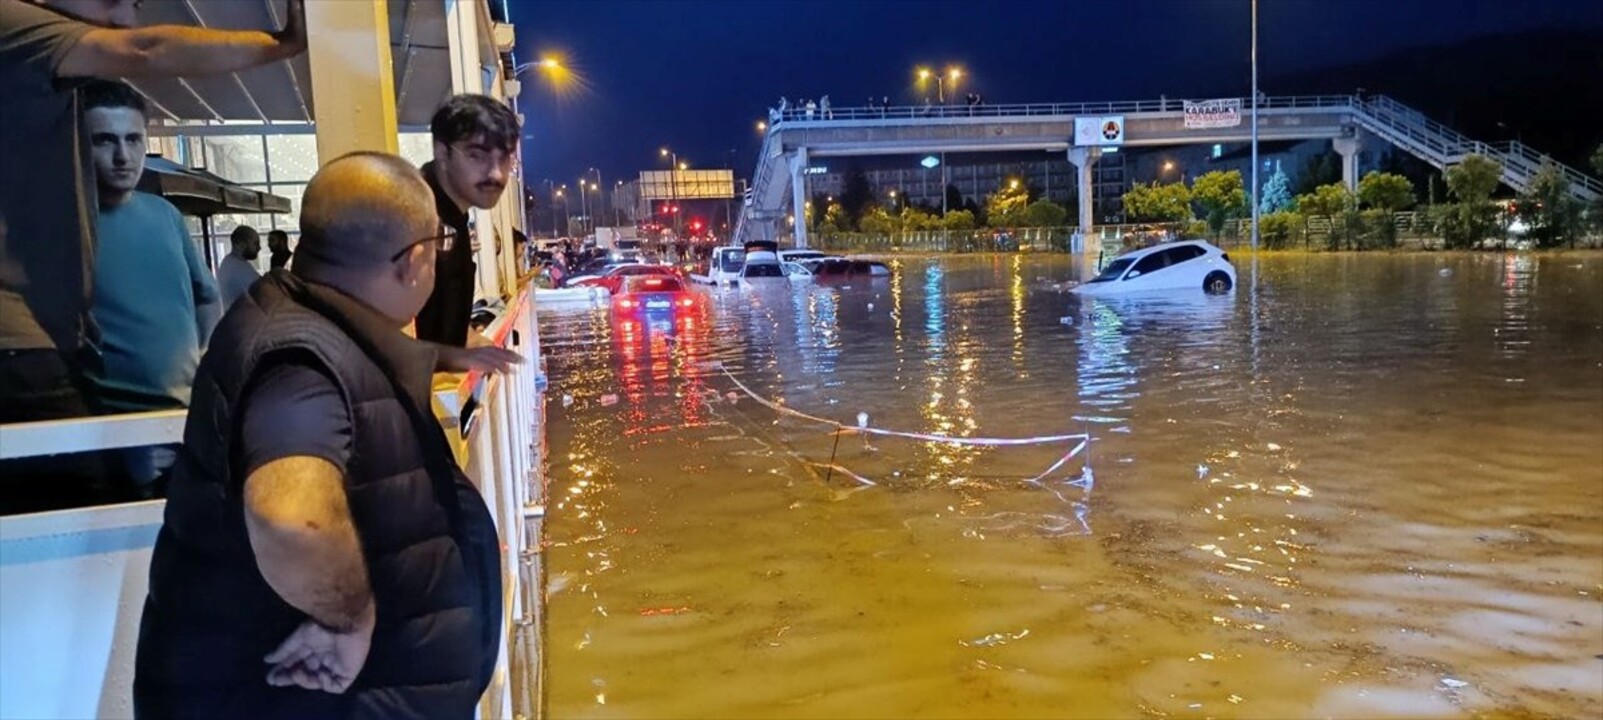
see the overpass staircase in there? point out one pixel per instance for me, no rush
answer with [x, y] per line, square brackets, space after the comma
[1443, 147]
[1398, 124]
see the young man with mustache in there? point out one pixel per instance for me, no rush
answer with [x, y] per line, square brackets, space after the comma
[475, 143]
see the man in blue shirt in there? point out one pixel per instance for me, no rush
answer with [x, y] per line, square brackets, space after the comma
[47, 205]
[154, 299]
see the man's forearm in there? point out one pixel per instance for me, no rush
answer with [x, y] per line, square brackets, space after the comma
[305, 543]
[183, 50]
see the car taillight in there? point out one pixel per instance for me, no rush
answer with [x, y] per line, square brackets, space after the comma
[626, 302]
[686, 302]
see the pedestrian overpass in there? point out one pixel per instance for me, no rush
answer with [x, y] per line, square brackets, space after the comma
[796, 136]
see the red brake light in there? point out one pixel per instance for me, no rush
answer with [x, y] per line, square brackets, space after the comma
[626, 302]
[686, 302]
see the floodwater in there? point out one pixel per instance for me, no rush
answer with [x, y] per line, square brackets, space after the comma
[1359, 486]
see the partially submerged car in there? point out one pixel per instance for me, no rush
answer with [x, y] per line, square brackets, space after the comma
[1187, 265]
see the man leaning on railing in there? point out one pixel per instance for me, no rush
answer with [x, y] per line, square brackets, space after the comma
[322, 555]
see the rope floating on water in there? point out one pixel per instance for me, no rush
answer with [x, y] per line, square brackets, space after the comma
[1081, 440]
[927, 437]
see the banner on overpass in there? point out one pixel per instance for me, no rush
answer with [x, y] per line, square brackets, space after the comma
[1101, 130]
[1213, 113]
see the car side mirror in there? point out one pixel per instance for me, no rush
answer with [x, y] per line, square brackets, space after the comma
[1133, 275]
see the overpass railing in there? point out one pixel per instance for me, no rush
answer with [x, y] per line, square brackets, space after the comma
[73, 582]
[922, 112]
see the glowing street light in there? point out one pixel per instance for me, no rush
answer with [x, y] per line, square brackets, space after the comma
[673, 182]
[762, 126]
[550, 64]
[950, 77]
[1013, 184]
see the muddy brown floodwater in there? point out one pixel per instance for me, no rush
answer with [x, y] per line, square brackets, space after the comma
[1358, 486]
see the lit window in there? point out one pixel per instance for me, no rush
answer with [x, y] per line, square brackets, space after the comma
[1218, 150]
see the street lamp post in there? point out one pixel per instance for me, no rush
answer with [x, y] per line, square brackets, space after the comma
[673, 185]
[601, 204]
[551, 194]
[617, 219]
[952, 73]
[584, 206]
[1255, 126]
[559, 194]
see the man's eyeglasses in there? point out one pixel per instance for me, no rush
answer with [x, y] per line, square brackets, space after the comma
[446, 240]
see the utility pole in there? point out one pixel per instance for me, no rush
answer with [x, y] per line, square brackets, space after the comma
[1255, 126]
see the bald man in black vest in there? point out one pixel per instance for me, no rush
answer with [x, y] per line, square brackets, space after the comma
[322, 554]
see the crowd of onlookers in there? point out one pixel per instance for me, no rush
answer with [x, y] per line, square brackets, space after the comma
[322, 554]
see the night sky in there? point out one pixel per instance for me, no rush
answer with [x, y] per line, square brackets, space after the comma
[696, 76]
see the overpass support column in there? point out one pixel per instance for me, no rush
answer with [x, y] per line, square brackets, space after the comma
[1085, 158]
[798, 194]
[1347, 148]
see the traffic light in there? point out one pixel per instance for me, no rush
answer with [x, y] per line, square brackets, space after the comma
[695, 225]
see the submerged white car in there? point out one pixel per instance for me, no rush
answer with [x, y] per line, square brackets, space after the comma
[1187, 265]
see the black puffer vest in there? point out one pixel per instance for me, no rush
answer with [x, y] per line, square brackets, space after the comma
[431, 548]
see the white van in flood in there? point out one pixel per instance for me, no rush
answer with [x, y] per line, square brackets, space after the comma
[723, 268]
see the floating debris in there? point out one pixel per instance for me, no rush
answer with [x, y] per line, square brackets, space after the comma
[1454, 684]
[609, 399]
[995, 639]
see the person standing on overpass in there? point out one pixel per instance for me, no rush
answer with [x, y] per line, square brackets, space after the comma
[48, 205]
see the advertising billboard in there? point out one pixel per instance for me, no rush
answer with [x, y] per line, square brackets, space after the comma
[687, 184]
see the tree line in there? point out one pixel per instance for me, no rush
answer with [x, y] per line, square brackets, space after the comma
[1367, 219]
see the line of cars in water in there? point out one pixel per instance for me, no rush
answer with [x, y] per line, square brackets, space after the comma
[635, 287]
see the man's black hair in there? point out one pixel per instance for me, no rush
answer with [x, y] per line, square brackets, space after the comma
[469, 117]
[112, 94]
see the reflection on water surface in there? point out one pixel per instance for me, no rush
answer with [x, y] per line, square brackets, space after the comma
[1359, 486]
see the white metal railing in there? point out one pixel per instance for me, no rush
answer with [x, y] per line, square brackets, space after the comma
[73, 582]
[922, 112]
[1443, 146]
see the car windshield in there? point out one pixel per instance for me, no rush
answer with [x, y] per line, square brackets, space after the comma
[1113, 271]
[763, 270]
[732, 261]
